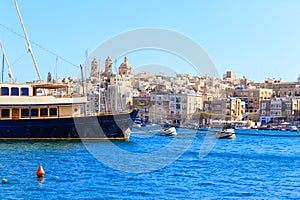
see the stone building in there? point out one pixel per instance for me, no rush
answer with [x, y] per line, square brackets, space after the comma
[252, 98]
[226, 109]
[142, 102]
[235, 109]
[281, 88]
[229, 76]
[276, 109]
[159, 107]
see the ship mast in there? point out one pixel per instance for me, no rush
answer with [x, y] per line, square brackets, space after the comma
[27, 41]
[7, 63]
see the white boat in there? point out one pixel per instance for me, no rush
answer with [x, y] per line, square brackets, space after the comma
[226, 133]
[293, 128]
[135, 125]
[170, 131]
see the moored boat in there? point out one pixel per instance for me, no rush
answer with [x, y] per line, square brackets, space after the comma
[293, 128]
[26, 115]
[170, 131]
[227, 132]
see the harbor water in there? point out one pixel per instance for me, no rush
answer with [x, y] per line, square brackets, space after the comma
[257, 166]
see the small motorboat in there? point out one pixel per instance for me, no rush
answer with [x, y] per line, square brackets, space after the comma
[135, 125]
[170, 131]
[227, 132]
[293, 128]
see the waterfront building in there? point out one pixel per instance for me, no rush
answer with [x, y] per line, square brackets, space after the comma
[159, 106]
[142, 102]
[235, 109]
[216, 109]
[252, 97]
[276, 109]
[225, 109]
[184, 105]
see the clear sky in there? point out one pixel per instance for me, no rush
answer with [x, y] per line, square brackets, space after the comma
[258, 39]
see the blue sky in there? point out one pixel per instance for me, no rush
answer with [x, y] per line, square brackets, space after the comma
[258, 39]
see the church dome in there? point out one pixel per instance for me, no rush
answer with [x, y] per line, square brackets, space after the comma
[125, 68]
[125, 64]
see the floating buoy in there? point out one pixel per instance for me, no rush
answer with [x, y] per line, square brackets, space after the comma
[4, 180]
[40, 172]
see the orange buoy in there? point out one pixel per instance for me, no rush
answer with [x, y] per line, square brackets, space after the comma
[40, 172]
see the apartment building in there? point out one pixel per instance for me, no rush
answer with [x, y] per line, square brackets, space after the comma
[252, 98]
[142, 102]
[276, 109]
[226, 109]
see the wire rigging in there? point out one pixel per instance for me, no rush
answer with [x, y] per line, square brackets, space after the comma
[40, 47]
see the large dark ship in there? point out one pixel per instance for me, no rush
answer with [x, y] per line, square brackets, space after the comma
[26, 114]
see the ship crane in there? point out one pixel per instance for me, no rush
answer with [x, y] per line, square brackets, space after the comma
[7, 63]
[28, 42]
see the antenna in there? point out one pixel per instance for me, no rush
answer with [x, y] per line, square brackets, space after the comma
[27, 41]
[56, 68]
[7, 63]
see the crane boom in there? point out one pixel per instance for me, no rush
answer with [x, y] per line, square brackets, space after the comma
[27, 41]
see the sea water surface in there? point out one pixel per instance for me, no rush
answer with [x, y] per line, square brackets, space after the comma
[253, 166]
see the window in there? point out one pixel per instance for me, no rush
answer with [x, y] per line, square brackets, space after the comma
[4, 91]
[5, 113]
[177, 106]
[34, 112]
[24, 112]
[178, 99]
[53, 112]
[14, 91]
[44, 112]
[24, 91]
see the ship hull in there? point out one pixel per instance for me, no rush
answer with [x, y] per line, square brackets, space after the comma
[95, 127]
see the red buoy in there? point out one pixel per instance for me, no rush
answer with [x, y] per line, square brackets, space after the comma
[40, 172]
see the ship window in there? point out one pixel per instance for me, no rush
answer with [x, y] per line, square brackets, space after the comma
[5, 113]
[4, 91]
[24, 91]
[15, 91]
[24, 112]
[44, 112]
[53, 112]
[34, 112]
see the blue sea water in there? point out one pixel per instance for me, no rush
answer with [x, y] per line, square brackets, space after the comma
[249, 167]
